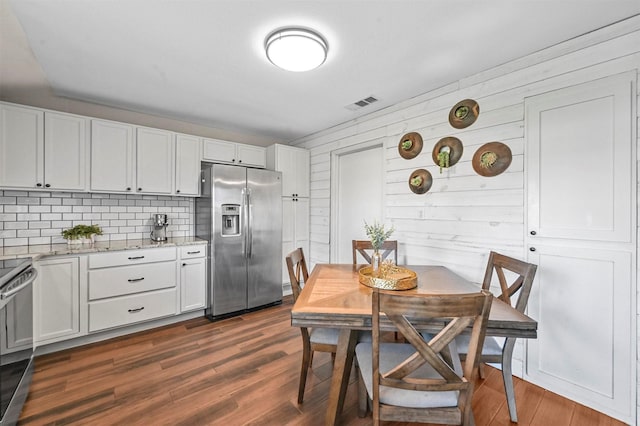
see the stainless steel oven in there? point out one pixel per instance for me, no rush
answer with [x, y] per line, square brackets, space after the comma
[16, 329]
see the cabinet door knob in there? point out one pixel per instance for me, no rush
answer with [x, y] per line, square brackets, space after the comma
[533, 232]
[532, 249]
[47, 185]
[38, 185]
[128, 188]
[233, 160]
[184, 264]
[139, 189]
[239, 161]
[177, 191]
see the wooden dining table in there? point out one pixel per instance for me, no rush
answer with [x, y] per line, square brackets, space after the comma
[333, 297]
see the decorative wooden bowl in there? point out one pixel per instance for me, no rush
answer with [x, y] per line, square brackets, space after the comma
[455, 150]
[491, 159]
[420, 181]
[397, 278]
[410, 145]
[464, 113]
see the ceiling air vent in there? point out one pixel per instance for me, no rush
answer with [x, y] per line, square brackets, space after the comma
[361, 103]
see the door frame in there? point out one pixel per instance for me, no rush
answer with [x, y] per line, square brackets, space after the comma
[335, 184]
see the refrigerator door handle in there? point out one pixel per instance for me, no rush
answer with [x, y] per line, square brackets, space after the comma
[249, 225]
[243, 221]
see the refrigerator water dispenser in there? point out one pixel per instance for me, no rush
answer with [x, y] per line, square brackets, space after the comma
[230, 219]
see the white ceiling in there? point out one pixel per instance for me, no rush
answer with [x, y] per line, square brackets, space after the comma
[202, 61]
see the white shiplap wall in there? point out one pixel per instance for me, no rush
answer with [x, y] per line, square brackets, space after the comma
[465, 215]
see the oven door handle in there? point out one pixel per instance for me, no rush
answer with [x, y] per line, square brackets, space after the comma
[34, 274]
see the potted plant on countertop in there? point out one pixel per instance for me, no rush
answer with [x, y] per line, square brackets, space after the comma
[378, 235]
[81, 234]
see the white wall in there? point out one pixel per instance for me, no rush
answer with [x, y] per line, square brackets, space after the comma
[465, 215]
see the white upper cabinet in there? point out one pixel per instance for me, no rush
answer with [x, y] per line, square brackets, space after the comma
[21, 147]
[294, 164]
[65, 148]
[42, 150]
[187, 165]
[220, 151]
[131, 159]
[155, 161]
[112, 157]
[249, 155]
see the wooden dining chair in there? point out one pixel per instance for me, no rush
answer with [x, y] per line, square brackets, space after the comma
[422, 381]
[521, 275]
[364, 247]
[316, 339]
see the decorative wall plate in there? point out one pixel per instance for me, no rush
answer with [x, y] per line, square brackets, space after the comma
[420, 181]
[410, 145]
[491, 159]
[455, 150]
[464, 113]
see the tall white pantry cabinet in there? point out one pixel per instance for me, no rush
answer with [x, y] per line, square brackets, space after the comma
[294, 164]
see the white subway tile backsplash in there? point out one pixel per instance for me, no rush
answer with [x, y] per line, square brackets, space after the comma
[31, 218]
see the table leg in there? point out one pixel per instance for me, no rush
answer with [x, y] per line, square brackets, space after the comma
[341, 371]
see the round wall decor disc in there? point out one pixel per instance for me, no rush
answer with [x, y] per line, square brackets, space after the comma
[455, 150]
[491, 159]
[464, 113]
[410, 145]
[420, 181]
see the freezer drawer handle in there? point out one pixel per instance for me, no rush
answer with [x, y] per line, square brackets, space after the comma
[133, 311]
[193, 252]
[136, 257]
[134, 280]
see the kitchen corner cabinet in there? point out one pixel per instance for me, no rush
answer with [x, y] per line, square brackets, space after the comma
[187, 165]
[193, 277]
[295, 228]
[219, 151]
[42, 149]
[293, 162]
[56, 300]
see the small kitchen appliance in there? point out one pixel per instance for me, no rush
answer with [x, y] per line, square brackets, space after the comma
[159, 231]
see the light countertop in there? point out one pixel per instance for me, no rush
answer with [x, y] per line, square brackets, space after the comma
[39, 251]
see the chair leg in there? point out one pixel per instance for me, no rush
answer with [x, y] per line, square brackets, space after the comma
[481, 370]
[307, 355]
[363, 397]
[507, 378]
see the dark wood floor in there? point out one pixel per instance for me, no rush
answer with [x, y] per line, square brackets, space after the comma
[240, 371]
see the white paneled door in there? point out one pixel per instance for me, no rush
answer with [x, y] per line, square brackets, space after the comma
[359, 197]
[581, 206]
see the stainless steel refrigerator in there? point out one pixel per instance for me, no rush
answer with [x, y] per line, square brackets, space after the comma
[240, 213]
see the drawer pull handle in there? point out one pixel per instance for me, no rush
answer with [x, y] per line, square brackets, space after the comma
[136, 257]
[133, 280]
[193, 252]
[133, 311]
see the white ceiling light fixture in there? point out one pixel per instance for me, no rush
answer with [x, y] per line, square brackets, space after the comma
[296, 49]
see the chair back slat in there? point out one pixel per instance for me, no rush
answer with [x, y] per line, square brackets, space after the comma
[365, 248]
[298, 272]
[524, 275]
[457, 313]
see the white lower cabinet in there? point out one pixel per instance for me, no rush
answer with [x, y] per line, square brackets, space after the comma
[131, 286]
[56, 300]
[193, 276]
[120, 311]
[90, 293]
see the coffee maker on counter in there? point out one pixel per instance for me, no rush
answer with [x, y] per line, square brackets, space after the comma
[159, 231]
